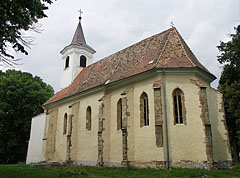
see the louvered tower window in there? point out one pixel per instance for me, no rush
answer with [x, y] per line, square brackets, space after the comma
[83, 61]
[67, 62]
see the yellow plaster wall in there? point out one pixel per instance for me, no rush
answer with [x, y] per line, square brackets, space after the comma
[141, 141]
[145, 143]
[186, 142]
[115, 135]
[50, 136]
[61, 139]
[74, 138]
[131, 129]
[87, 145]
[106, 125]
[84, 143]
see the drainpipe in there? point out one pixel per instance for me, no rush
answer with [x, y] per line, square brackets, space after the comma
[69, 135]
[166, 120]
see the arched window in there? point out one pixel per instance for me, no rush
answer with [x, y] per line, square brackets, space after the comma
[144, 110]
[83, 61]
[65, 124]
[119, 114]
[178, 107]
[88, 118]
[67, 62]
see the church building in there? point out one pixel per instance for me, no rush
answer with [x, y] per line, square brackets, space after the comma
[148, 105]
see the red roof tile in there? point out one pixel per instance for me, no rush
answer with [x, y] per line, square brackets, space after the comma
[166, 49]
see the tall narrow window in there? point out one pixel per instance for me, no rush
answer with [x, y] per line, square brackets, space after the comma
[83, 61]
[88, 118]
[178, 107]
[119, 114]
[67, 62]
[144, 110]
[65, 124]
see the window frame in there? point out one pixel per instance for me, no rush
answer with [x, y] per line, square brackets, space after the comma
[144, 110]
[89, 118]
[82, 57]
[65, 124]
[119, 114]
[179, 110]
[67, 61]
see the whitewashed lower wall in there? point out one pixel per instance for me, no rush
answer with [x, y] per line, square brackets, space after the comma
[35, 153]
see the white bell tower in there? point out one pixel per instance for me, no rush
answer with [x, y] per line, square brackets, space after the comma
[75, 57]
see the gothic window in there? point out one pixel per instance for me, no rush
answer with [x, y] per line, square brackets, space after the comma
[65, 124]
[67, 62]
[83, 61]
[144, 110]
[119, 114]
[178, 107]
[88, 118]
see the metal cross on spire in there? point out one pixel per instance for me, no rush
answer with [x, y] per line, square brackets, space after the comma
[81, 12]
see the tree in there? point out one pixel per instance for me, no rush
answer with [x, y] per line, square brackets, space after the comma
[21, 98]
[17, 16]
[229, 85]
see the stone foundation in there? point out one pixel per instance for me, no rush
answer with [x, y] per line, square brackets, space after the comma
[152, 164]
[224, 165]
[191, 164]
[143, 165]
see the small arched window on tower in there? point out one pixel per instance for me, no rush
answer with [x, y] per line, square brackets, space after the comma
[144, 110]
[88, 118]
[119, 114]
[67, 62]
[179, 107]
[83, 61]
[65, 124]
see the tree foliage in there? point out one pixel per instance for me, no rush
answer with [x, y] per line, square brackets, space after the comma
[229, 85]
[17, 16]
[21, 98]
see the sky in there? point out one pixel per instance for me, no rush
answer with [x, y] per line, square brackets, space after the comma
[110, 26]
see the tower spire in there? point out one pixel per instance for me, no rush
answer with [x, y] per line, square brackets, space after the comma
[78, 37]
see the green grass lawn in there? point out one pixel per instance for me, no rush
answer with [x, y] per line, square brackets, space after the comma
[25, 171]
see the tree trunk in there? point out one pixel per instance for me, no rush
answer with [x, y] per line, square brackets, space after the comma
[235, 151]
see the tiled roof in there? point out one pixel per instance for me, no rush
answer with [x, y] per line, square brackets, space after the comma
[166, 49]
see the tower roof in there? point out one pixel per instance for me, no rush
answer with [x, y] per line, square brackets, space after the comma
[78, 37]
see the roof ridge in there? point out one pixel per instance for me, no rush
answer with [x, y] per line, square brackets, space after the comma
[164, 47]
[186, 51]
[193, 58]
[178, 36]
